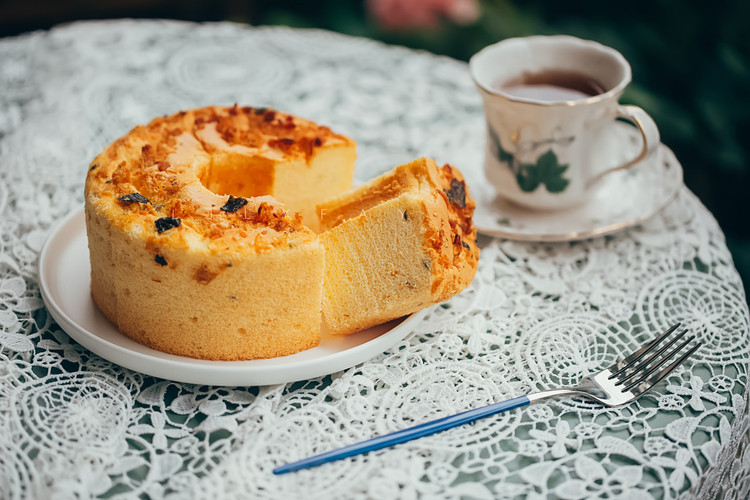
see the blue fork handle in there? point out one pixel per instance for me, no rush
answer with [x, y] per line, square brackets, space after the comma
[404, 435]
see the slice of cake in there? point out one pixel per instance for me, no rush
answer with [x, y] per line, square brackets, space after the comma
[395, 245]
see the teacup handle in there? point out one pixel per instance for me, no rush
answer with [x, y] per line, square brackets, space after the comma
[649, 134]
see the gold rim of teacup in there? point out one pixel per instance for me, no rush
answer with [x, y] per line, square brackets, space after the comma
[615, 91]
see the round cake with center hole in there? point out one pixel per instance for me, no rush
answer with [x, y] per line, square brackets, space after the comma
[201, 231]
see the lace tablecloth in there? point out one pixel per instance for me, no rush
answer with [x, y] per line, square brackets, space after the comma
[73, 425]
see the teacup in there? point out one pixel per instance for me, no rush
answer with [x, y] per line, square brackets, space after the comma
[549, 102]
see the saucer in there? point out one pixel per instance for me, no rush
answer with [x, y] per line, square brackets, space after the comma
[65, 281]
[622, 199]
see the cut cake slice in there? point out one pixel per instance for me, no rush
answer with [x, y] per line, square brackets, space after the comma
[399, 243]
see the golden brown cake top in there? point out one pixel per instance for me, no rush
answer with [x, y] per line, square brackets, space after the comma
[266, 130]
[153, 181]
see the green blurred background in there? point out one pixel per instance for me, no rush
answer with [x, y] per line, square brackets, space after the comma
[690, 59]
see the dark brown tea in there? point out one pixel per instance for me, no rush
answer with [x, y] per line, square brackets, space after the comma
[552, 85]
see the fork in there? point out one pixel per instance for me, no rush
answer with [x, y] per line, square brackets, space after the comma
[621, 383]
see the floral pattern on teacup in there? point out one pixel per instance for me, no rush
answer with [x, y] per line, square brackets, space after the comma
[547, 170]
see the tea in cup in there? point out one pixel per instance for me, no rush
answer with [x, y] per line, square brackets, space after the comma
[549, 102]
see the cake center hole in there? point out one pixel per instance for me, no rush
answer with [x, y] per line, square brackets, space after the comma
[238, 175]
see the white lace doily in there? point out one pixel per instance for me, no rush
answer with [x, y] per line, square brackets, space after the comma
[536, 316]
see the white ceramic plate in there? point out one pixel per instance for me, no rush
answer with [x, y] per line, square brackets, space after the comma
[623, 199]
[64, 280]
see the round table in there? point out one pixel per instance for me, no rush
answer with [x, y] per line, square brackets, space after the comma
[537, 315]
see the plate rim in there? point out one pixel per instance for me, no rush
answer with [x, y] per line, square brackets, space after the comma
[202, 372]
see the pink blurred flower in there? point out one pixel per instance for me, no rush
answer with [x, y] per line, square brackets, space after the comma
[405, 14]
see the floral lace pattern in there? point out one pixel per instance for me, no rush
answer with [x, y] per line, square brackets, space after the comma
[536, 316]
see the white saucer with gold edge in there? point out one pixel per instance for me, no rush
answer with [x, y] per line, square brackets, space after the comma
[622, 199]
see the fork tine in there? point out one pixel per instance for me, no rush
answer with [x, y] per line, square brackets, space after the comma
[623, 364]
[644, 374]
[643, 370]
[639, 366]
[659, 376]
